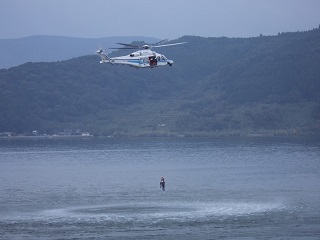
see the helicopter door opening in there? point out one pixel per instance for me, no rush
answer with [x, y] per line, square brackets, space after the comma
[153, 61]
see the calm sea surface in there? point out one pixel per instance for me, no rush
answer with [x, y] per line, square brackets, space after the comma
[222, 188]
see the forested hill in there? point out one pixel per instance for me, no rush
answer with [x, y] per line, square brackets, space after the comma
[216, 86]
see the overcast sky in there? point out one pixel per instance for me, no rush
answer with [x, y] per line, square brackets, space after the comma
[164, 19]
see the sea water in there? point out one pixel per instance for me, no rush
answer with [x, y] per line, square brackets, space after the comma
[109, 188]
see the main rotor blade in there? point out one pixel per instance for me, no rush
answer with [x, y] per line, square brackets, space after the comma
[124, 48]
[166, 45]
[129, 45]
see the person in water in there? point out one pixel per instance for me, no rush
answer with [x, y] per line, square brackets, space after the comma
[162, 183]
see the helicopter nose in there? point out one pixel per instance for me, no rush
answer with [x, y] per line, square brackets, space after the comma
[170, 62]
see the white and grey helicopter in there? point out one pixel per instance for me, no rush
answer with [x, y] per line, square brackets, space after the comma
[144, 58]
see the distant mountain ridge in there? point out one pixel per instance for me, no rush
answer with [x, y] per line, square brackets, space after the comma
[40, 48]
[227, 86]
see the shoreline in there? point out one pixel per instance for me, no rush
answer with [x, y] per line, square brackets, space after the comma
[45, 137]
[155, 135]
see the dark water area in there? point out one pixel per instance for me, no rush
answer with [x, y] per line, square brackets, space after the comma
[108, 188]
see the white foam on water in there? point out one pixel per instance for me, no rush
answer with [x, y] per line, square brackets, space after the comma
[237, 208]
[155, 212]
[151, 212]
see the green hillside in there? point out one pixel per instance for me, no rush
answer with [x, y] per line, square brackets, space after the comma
[217, 86]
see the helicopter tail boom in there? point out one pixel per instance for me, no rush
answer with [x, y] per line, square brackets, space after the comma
[104, 57]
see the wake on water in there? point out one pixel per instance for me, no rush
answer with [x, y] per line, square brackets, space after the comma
[152, 212]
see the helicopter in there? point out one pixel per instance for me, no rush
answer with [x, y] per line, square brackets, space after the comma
[144, 58]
